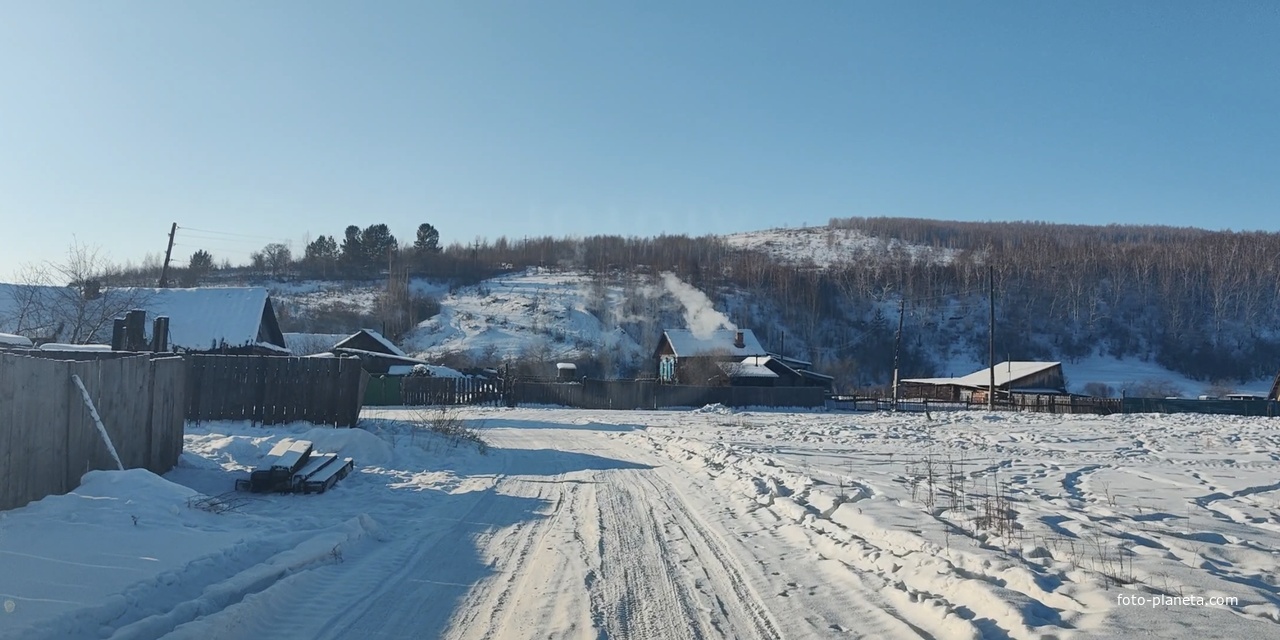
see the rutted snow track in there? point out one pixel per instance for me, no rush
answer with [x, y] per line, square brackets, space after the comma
[572, 533]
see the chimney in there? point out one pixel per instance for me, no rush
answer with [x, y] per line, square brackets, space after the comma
[738, 341]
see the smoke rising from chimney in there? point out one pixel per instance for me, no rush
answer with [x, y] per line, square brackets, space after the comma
[700, 316]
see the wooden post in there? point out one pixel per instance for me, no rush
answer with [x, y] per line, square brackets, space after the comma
[135, 330]
[991, 339]
[118, 339]
[897, 345]
[160, 334]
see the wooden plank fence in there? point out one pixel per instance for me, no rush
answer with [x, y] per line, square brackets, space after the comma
[427, 390]
[648, 394]
[275, 389]
[49, 437]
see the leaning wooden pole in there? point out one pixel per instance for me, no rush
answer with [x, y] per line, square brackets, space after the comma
[102, 429]
[168, 253]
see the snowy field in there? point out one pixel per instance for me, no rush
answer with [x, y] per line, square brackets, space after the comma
[677, 524]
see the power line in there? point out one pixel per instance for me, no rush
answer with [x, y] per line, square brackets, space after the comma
[238, 235]
[191, 236]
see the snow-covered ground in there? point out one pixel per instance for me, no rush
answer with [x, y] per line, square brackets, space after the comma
[677, 524]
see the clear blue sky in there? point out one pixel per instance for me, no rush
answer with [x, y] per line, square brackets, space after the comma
[287, 119]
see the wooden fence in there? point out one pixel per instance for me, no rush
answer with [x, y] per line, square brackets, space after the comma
[49, 438]
[648, 394]
[275, 389]
[1046, 403]
[1265, 408]
[435, 391]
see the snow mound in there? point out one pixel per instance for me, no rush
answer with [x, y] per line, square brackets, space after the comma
[132, 485]
[364, 447]
[717, 409]
[190, 460]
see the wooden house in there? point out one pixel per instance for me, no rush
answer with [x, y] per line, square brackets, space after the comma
[685, 357]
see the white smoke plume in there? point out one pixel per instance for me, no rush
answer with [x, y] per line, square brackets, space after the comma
[699, 314]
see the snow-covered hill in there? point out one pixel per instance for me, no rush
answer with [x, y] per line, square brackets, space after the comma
[534, 313]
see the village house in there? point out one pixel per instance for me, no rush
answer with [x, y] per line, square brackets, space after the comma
[728, 357]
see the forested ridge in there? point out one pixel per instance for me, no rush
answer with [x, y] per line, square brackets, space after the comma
[1204, 303]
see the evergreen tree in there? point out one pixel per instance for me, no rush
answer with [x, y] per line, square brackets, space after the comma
[322, 255]
[428, 241]
[353, 247]
[200, 264]
[323, 249]
[378, 243]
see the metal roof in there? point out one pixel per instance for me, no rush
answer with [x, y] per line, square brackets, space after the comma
[1006, 372]
[684, 343]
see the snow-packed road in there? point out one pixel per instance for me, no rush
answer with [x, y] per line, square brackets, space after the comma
[568, 532]
[677, 524]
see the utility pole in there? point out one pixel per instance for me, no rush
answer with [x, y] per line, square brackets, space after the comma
[168, 252]
[897, 346]
[991, 338]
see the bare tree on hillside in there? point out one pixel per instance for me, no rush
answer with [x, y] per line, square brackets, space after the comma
[74, 300]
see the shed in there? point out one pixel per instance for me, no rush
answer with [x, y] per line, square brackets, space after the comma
[1010, 377]
[566, 371]
[371, 341]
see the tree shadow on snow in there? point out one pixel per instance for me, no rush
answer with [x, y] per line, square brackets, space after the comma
[538, 462]
[545, 424]
[452, 558]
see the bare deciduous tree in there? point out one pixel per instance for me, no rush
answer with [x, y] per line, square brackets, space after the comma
[73, 300]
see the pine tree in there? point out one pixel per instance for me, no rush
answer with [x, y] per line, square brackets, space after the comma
[428, 241]
[378, 243]
[353, 247]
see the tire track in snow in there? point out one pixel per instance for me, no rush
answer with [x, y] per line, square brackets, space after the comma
[904, 562]
[542, 589]
[635, 589]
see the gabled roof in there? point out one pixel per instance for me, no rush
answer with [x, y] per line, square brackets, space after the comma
[720, 342]
[389, 346]
[213, 317]
[1006, 372]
